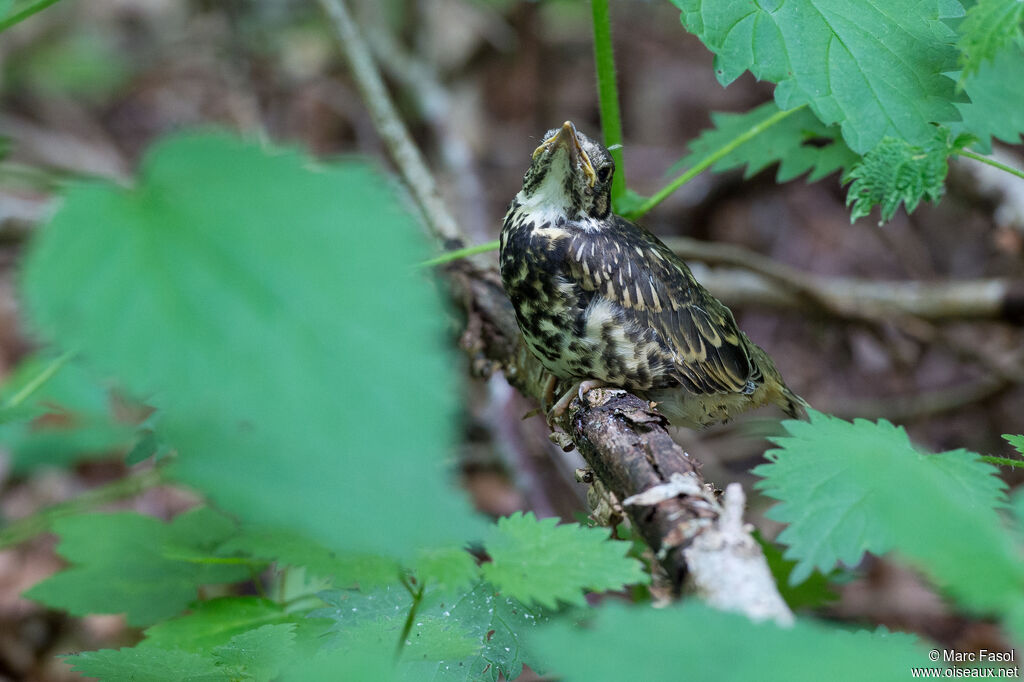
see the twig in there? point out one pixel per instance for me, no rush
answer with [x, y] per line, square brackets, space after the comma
[493, 341]
[608, 92]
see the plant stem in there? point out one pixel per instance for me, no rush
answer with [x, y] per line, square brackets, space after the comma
[449, 256]
[12, 19]
[36, 382]
[711, 159]
[40, 522]
[1004, 461]
[417, 599]
[992, 162]
[608, 92]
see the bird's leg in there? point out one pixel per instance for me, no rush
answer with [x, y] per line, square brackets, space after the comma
[578, 390]
[548, 394]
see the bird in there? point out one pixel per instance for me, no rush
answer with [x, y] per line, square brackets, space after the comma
[602, 302]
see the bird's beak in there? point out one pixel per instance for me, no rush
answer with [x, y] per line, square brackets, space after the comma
[566, 137]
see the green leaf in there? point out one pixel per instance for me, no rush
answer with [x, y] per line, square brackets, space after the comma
[129, 563]
[879, 70]
[1016, 441]
[379, 617]
[811, 592]
[544, 563]
[500, 625]
[695, 642]
[799, 143]
[988, 27]
[148, 665]
[373, 661]
[291, 549]
[258, 654]
[896, 172]
[213, 623]
[452, 568]
[473, 636]
[54, 412]
[271, 308]
[849, 488]
[995, 110]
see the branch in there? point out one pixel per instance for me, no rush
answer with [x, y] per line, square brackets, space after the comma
[606, 437]
[757, 280]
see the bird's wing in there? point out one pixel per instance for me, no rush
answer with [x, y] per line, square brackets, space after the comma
[654, 289]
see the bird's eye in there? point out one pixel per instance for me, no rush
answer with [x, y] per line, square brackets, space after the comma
[603, 173]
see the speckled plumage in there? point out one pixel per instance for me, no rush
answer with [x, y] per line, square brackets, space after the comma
[599, 298]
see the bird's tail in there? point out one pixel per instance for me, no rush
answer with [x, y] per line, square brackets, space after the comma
[792, 404]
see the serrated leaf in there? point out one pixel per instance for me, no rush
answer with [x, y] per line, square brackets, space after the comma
[811, 592]
[154, 563]
[995, 110]
[379, 617]
[66, 416]
[876, 69]
[147, 665]
[370, 662]
[213, 623]
[896, 172]
[849, 488]
[542, 562]
[258, 654]
[799, 143]
[988, 27]
[452, 568]
[695, 642]
[1016, 441]
[292, 549]
[270, 307]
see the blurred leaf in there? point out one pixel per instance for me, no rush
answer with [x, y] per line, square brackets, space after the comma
[696, 642]
[373, 661]
[539, 561]
[213, 623]
[54, 412]
[15, 11]
[258, 654]
[1016, 441]
[989, 27]
[271, 308]
[799, 143]
[453, 569]
[80, 63]
[896, 172]
[848, 488]
[995, 110]
[148, 665]
[811, 592]
[290, 549]
[134, 564]
[877, 70]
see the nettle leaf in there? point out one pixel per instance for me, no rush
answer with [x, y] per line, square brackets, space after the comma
[288, 548]
[67, 416]
[696, 642]
[799, 143]
[879, 70]
[995, 110]
[849, 488]
[810, 592]
[896, 172]
[148, 665]
[452, 568]
[157, 566]
[988, 27]
[473, 636]
[258, 654]
[271, 308]
[213, 623]
[1016, 441]
[542, 562]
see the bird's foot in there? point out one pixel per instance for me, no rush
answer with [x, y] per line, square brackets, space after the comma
[578, 390]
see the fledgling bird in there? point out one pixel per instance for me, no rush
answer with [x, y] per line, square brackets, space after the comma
[603, 302]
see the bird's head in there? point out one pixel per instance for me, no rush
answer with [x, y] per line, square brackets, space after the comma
[570, 173]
